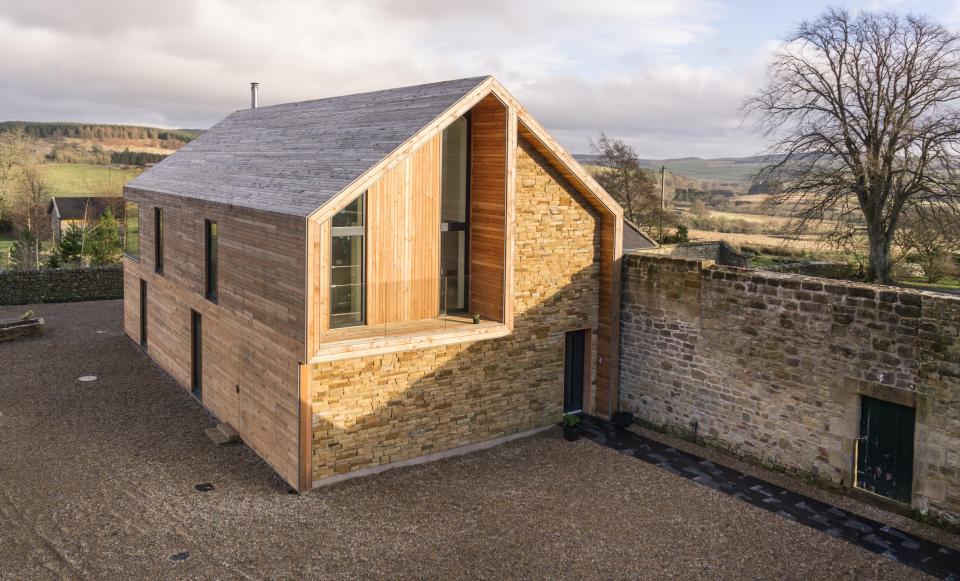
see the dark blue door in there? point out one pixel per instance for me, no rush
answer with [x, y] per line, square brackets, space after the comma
[885, 449]
[574, 370]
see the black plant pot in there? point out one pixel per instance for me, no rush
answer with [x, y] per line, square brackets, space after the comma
[571, 433]
[622, 420]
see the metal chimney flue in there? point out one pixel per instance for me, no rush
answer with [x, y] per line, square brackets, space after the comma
[253, 95]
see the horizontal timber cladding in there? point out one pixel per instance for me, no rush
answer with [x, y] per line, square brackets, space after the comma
[380, 409]
[488, 177]
[253, 337]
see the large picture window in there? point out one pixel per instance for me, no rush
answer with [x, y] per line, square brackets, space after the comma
[455, 216]
[347, 271]
[131, 230]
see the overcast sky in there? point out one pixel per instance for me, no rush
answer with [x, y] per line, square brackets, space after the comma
[668, 76]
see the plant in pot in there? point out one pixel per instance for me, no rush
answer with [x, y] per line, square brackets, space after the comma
[571, 427]
[476, 318]
[622, 420]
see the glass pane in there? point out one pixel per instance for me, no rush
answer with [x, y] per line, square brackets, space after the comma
[131, 238]
[453, 288]
[346, 303]
[454, 172]
[346, 281]
[212, 258]
[158, 238]
[351, 215]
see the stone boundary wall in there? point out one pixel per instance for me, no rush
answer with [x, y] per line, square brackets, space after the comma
[772, 366]
[818, 268]
[61, 285]
[718, 251]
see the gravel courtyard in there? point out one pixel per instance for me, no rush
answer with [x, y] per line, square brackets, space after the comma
[97, 481]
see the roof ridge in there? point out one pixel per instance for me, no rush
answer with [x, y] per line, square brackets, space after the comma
[478, 79]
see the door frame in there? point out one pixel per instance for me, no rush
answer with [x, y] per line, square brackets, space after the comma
[587, 368]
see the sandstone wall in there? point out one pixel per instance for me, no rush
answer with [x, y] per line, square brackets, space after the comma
[718, 251]
[388, 408]
[61, 285]
[773, 366]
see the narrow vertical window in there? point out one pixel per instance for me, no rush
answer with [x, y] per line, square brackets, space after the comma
[158, 240]
[131, 230]
[212, 252]
[196, 355]
[347, 272]
[455, 215]
[143, 313]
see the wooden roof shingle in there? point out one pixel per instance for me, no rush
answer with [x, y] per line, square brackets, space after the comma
[293, 158]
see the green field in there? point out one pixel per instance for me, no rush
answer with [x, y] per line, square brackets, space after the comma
[74, 179]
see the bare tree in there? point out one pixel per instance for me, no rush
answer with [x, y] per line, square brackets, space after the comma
[863, 116]
[630, 184]
[15, 147]
[933, 237]
[22, 181]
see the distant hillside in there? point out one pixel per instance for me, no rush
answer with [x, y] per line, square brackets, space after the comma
[722, 170]
[97, 158]
[103, 144]
[100, 131]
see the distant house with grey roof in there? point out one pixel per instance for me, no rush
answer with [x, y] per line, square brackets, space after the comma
[82, 211]
[359, 282]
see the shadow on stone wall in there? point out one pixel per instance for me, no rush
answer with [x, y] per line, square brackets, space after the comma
[394, 407]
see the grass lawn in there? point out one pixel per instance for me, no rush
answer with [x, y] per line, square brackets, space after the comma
[77, 179]
[950, 284]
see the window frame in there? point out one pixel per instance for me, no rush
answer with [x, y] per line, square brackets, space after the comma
[349, 231]
[211, 275]
[158, 240]
[126, 229]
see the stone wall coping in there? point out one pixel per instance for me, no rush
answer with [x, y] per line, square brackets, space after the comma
[710, 269]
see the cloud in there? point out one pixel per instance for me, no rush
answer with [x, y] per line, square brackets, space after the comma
[578, 66]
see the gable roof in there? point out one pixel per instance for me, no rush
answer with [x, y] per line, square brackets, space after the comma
[293, 158]
[85, 207]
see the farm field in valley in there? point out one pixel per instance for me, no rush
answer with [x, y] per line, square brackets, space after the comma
[810, 243]
[77, 179]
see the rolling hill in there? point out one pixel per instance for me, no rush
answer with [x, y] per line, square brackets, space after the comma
[722, 170]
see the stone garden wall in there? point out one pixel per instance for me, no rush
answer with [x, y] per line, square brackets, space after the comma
[60, 285]
[717, 251]
[773, 365]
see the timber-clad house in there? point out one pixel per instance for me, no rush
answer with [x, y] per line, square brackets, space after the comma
[361, 281]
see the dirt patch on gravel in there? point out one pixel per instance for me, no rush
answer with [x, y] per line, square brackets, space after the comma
[97, 481]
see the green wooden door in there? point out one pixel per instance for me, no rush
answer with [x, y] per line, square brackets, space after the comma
[885, 449]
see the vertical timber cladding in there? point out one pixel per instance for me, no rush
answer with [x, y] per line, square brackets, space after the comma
[253, 336]
[403, 236]
[488, 189]
[380, 409]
